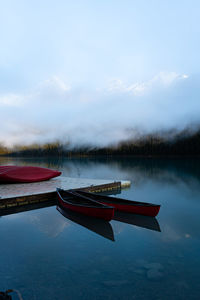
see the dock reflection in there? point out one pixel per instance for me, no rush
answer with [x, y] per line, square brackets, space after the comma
[24, 208]
[98, 226]
[137, 220]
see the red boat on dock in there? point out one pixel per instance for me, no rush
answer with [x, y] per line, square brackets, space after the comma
[84, 205]
[20, 174]
[142, 208]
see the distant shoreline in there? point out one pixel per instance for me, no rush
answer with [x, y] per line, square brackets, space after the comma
[77, 156]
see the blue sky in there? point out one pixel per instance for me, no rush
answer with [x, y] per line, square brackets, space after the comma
[94, 52]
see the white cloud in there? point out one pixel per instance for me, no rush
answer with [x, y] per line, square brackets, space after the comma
[163, 79]
[56, 83]
[11, 100]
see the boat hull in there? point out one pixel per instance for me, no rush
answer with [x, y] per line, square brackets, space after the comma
[101, 212]
[141, 208]
[23, 174]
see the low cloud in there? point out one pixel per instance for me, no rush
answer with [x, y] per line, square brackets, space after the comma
[162, 80]
[56, 111]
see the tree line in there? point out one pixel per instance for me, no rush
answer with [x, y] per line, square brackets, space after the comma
[151, 145]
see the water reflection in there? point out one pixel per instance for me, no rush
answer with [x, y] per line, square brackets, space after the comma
[104, 228]
[137, 220]
[24, 208]
[141, 264]
[139, 170]
[98, 226]
[49, 224]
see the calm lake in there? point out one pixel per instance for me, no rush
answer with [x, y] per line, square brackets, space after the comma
[45, 255]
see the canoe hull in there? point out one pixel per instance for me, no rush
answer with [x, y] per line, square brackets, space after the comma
[103, 212]
[23, 174]
[150, 211]
[141, 208]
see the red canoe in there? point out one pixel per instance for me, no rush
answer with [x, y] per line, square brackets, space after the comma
[84, 205]
[15, 174]
[141, 208]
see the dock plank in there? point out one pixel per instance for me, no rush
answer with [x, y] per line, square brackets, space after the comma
[49, 186]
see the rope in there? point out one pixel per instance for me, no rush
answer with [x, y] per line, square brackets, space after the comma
[18, 294]
[11, 291]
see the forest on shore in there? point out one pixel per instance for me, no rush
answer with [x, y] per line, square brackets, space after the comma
[182, 144]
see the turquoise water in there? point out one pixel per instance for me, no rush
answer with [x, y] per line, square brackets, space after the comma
[45, 255]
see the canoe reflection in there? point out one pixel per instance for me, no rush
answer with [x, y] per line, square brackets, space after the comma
[137, 220]
[98, 226]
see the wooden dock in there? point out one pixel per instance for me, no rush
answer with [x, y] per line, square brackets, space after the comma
[21, 195]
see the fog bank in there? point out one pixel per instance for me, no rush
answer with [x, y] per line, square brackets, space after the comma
[56, 111]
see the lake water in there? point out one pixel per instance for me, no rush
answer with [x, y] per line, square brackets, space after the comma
[45, 255]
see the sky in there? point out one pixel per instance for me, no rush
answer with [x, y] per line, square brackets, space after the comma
[97, 72]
